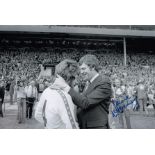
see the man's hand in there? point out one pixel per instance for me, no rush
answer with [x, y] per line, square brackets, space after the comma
[76, 88]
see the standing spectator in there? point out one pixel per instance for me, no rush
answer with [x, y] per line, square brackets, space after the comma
[142, 96]
[31, 96]
[7, 87]
[151, 94]
[21, 101]
[8, 83]
[11, 91]
[2, 93]
[131, 93]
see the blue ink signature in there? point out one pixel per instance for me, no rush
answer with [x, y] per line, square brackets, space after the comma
[121, 103]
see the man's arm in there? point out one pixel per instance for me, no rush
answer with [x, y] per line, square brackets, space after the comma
[99, 94]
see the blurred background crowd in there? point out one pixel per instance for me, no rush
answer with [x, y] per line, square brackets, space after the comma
[24, 65]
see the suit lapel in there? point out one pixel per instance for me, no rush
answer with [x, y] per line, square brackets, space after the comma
[92, 85]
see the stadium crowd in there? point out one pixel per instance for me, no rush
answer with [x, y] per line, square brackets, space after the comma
[24, 65]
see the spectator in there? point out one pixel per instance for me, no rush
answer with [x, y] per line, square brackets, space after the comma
[142, 96]
[31, 97]
[2, 93]
[21, 101]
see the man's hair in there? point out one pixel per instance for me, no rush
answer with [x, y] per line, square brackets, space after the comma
[91, 61]
[67, 69]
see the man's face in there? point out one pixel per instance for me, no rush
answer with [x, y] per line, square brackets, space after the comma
[86, 72]
[117, 83]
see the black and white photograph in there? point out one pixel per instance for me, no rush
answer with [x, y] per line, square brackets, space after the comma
[84, 65]
[77, 77]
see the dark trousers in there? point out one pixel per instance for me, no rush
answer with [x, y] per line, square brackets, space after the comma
[29, 106]
[142, 105]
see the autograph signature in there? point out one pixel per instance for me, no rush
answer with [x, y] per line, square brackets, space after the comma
[121, 103]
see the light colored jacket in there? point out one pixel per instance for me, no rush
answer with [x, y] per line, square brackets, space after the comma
[55, 111]
[30, 92]
[21, 92]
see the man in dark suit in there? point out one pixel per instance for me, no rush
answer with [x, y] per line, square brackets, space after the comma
[94, 101]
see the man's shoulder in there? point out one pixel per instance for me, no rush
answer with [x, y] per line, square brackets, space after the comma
[51, 95]
[56, 92]
[103, 79]
[49, 89]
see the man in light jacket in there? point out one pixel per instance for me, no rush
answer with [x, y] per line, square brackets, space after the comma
[56, 109]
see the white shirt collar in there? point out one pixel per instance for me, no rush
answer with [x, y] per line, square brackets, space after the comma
[94, 77]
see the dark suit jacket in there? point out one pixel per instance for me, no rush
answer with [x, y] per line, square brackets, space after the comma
[94, 103]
